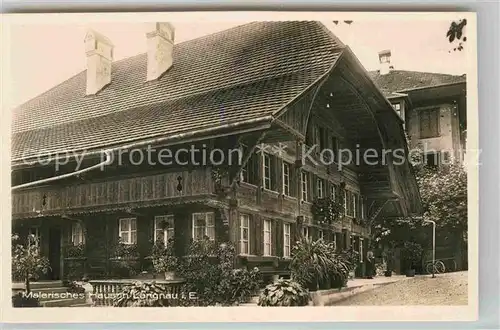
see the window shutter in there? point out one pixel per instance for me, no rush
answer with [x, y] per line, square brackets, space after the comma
[293, 234]
[279, 242]
[435, 122]
[277, 173]
[274, 237]
[258, 236]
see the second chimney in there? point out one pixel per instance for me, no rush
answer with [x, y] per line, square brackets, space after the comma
[99, 51]
[384, 58]
[160, 49]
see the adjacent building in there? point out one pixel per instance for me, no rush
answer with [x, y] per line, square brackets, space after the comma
[433, 107]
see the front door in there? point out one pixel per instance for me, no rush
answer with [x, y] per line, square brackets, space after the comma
[54, 253]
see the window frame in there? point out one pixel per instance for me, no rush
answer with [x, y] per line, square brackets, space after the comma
[77, 233]
[206, 226]
[128, 230]
[266, 179]
[304, 182]
[269, 230]
[286, 179]
[167, 218]
[287, 248]
[241, 240]
[320, 187]
[333, 192]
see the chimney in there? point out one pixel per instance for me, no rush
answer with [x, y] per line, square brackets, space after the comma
[160, 48]
[99, 51]
[384, 58]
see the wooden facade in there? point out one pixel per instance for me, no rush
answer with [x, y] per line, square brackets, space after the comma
[259, 205]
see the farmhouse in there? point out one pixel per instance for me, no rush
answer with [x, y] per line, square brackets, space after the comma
[267, 89]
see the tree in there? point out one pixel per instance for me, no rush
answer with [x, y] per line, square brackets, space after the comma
[26, 260]
[444, 197]
[456, 33]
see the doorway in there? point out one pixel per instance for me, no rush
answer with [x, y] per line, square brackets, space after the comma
[55, 253]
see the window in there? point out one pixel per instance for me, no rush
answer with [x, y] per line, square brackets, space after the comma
[345, 202]
[244, 234]
[304, 182]
[267, 237]
[332, 191]
[164, 228]
[286, 179]
[305, 231]
[431, 159]
[286, 240]
[266, 163]
[203, 226]
[34, 237]
[397, 106]
[76, 233]
[354, 205]
[248, 172]
[128, 230]
[321, 235]
[320, 188]
[429, 123]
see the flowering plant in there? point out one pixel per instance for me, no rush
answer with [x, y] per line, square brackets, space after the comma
[326, 210]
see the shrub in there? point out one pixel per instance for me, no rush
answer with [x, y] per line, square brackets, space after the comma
[326, 210]
[351, 256]
[26, 260]
[142, 294]
[208, 270]
[125, 261]
[74, 287]
[22, 300]
[284, 293]
[163, 257]
[315, 264]
[412, 253]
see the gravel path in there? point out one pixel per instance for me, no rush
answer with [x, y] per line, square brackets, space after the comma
[445, 289]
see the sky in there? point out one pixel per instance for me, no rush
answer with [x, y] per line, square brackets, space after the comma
[44, 55]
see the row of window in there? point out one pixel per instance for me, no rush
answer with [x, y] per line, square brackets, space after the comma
[353, 202]
[203, 227]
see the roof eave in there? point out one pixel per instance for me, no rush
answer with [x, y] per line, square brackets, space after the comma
[245, 126]
[430, 87]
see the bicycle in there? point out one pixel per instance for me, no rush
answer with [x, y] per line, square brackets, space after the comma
[438, 267]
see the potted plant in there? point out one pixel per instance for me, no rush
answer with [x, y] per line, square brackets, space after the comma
[413, 256]
[125, 260]
[352, 257]
[164, 259]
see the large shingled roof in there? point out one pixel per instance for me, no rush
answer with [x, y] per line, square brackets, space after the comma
[399, 81]
[247, 72]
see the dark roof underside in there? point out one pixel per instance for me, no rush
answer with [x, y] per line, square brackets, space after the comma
[400, 80]
[244, 73]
